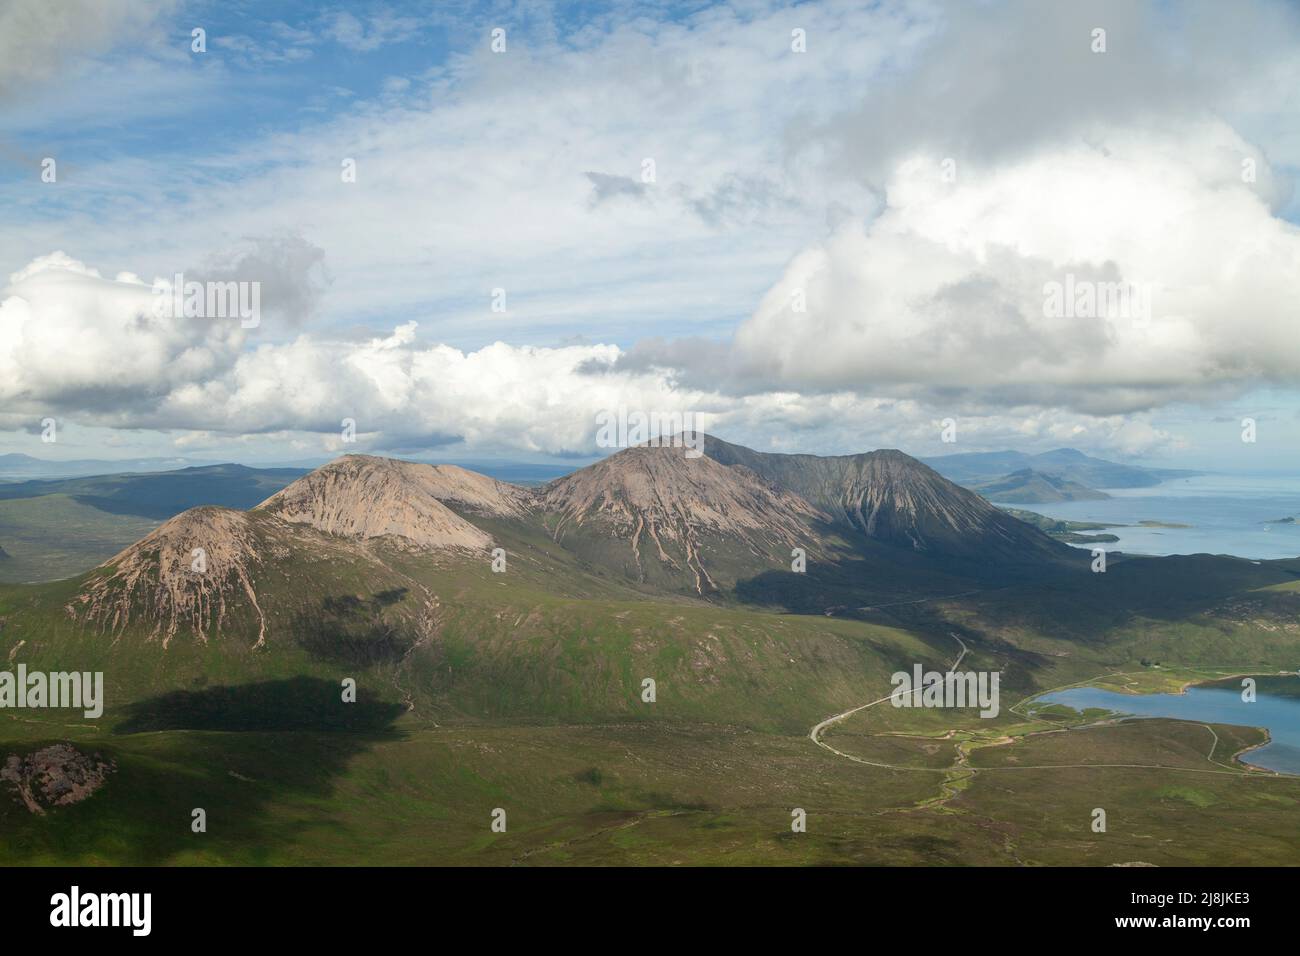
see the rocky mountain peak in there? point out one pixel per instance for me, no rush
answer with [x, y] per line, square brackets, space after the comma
[361, 496]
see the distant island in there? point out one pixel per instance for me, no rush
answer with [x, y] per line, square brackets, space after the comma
[972, 468]
[1072, 532]
[1028, 486]
[1067, 531]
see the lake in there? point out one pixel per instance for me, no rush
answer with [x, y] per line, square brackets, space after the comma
[1276, 708]
[1228, 514]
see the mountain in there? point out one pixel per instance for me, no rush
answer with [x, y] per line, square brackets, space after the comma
[235, 575]
[657, 519]
[226, 671]
[360, 496]
[383, 568]
[971, 468]
[652, 509]
[160, 495]
[648, 516]
[1029, 486]
[19, 466]
[896, 499]
[337, 566]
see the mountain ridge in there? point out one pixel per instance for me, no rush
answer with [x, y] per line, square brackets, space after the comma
[1032, 487]
[893, 497]
[647, 515]
[969, 468]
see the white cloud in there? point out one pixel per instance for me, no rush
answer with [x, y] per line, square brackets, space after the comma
[73, 340]
[379, 29]
[38, 37]
[943, 294]
[75, 344]
[524, 171]
[475, 177]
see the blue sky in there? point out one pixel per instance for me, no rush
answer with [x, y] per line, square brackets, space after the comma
[821, 227]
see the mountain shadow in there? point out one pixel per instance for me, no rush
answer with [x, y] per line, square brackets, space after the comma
[259, 788]
[295, 704]
[353, 631]
[855, 572]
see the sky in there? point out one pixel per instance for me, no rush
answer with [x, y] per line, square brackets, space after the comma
[475, 228]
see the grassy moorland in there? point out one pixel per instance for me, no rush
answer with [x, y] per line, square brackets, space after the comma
[524, 693]
[56, 536]
[52, 529]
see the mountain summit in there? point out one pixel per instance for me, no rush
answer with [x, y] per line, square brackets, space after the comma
[195, 570]
[693, 514]
[894, 498]
[361, 496]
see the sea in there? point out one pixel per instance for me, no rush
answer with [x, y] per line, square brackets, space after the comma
[1223, 514]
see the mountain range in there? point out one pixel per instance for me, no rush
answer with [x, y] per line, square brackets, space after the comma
[651, 517]
[18, 467]
[161, 494]
[646, 642]
[410, 567]
[971, 468]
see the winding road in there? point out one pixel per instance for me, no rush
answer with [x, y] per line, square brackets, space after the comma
[817, 731]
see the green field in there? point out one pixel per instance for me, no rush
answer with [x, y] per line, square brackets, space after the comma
[524, 693]
[56, 536]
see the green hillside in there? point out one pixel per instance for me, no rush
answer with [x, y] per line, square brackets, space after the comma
[526, 689]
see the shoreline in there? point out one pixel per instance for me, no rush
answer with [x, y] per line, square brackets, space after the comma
[1238, 757]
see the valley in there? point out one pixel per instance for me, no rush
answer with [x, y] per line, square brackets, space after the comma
[523, 688]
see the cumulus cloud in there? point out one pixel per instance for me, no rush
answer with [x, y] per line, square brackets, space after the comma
[839, 248]
[948, 291]
[75, 343]
[72, 340]
[990, 82]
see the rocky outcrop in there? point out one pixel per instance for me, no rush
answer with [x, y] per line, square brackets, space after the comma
[55, 776]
